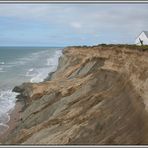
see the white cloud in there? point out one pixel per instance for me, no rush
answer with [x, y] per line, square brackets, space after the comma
[76, 25]
[93, 19]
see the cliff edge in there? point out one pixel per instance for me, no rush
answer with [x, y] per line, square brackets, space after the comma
[98, 95]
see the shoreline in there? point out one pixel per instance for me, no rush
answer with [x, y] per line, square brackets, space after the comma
[15, 114]
[12, 123]
[92, 98]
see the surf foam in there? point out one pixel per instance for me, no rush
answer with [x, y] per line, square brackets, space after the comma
[41, 73]
[7, 103]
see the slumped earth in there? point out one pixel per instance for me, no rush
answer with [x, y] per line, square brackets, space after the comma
[98, 95]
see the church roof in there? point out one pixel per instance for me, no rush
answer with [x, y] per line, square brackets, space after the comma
[146, 33]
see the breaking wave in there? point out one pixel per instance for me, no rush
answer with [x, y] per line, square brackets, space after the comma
[34, 68]
[39, 74]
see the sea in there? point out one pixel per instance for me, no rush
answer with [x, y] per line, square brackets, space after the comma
[22, 64]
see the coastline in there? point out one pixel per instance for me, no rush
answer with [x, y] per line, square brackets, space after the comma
[15, 116]
[89, 99]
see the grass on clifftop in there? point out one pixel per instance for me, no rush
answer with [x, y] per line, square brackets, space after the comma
[133, 46]
[129, 46]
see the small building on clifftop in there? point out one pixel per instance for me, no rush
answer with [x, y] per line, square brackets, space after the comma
[142, 39]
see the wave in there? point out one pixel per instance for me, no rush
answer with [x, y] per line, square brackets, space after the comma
[39, 74]
[21, 61]
[7, 100]
[36, 72]
[2, 63]
[1, 69]
[31, 72]
[54, 60]
[7, 103]
[37, 78]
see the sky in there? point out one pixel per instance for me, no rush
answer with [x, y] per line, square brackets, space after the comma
[71, 24]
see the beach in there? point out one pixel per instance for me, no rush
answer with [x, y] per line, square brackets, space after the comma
[15, 117]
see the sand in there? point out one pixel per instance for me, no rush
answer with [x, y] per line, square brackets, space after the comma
[14, 118]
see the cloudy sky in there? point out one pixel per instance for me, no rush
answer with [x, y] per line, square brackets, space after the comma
[71, 24]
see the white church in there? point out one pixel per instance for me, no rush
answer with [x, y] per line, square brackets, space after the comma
[142, 39]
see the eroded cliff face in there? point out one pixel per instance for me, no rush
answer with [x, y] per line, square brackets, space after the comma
[98, 95]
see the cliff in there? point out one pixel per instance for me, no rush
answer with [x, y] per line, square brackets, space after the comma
[98, 95]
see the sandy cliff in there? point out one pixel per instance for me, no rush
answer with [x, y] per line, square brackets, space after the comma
[98, 95]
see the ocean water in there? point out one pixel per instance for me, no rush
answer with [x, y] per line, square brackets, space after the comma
[22, 64]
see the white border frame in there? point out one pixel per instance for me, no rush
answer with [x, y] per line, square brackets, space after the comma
[76, 1]
[73, 2]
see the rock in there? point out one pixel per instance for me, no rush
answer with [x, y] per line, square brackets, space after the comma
[17, 89]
